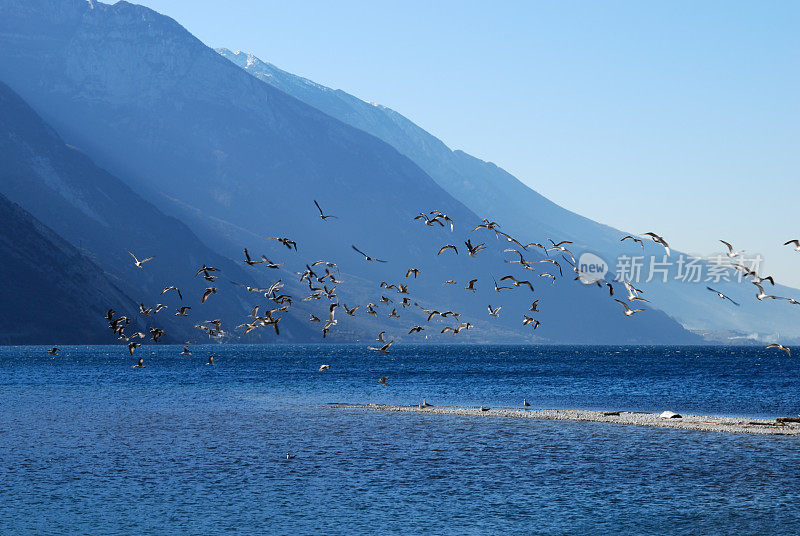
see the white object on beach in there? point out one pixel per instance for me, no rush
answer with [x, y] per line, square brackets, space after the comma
[669, 415]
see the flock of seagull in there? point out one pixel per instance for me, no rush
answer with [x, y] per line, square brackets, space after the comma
[320, 274]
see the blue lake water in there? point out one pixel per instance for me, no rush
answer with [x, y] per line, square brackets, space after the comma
[91, 445]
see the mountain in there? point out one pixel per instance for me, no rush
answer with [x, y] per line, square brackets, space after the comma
[105, 219]
[239, 161]
[489, 191]
[52, 294]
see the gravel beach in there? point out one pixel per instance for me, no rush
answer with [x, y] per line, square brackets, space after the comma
[686, 422]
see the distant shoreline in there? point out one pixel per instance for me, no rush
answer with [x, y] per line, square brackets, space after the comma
[686, 422]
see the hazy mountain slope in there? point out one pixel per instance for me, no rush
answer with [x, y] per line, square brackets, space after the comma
[104, 218]
[491, 192]
[238, 160]
[52, 294]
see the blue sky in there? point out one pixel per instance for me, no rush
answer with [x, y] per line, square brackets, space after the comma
[677, 117]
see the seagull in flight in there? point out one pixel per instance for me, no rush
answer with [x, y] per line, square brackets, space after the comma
[446, 247]
[636, 240]
[366, 257]
[761, 296]
[248, 261]
[53, 350]
[659, 240]
[781, 347]
[208, 292]
[731, 253]
[495, 312]
[473, 250]
[138, 263]
[795, 242]
[176, 289]
[323, 367]
[412, 271]
[322, 215]
[383, 349]
[628, 310]
[528, 320]
[722, 296]
[289, 243]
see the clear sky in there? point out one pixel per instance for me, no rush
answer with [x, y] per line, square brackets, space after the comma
[679, 117]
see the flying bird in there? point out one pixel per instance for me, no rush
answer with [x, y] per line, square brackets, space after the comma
[526, 320]
[471, 285]
[176, 289]
[731, 253]
[446, 247]
[413, 271]
[722, 296]
[628, 310]
[366, 257]
[495, 312]
[138, 263]
[133, 346]
[140, 364]
[517, 282]
[53, 351]
[781, 347]
[322, 215]
[383, 379]
[208, 292]
[473, 250]
[248, 261]
[795, 242]
[636, 240]
[659, 240]
[182, 311]
[383, 349]
[323, 367]
[289, 243]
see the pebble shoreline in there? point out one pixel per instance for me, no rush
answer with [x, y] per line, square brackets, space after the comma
[687, 422]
